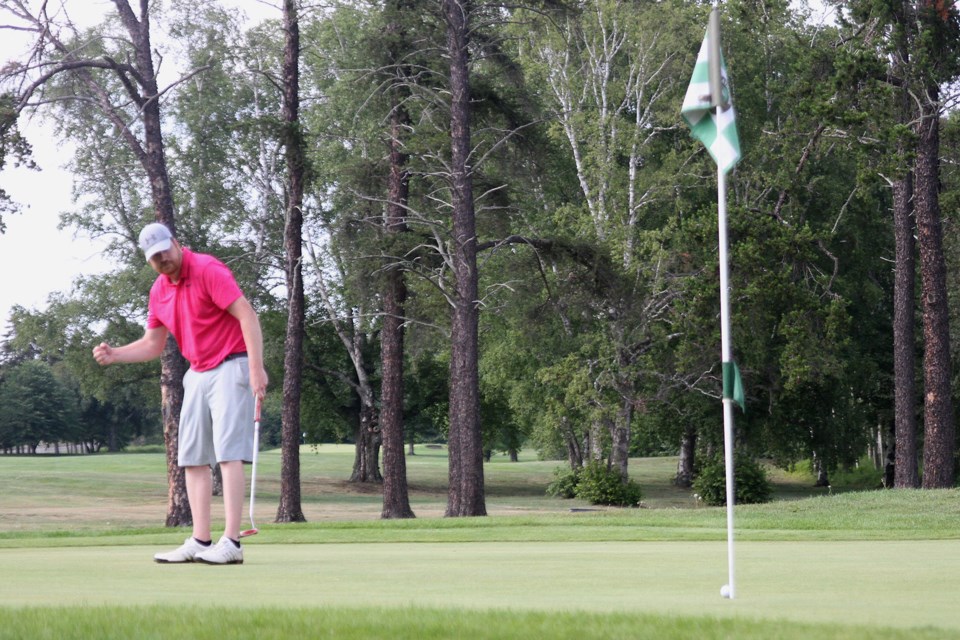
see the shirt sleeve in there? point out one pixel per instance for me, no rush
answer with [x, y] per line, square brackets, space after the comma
[220, 285]
[153, 322]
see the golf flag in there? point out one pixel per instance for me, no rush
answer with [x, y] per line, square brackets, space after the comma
[733, 384]
[707, 106]
[708, 110]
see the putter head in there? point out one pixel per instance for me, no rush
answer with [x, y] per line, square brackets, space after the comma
[249, 532]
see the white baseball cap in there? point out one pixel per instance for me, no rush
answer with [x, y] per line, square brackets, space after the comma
[155, 238]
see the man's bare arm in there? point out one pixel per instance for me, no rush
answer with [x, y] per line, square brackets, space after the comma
[148, 347]
[242, 310]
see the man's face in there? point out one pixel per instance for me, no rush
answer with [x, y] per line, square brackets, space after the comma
[168, 262]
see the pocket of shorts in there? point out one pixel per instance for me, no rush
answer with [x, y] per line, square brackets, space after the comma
[188, 378]
[243, 372]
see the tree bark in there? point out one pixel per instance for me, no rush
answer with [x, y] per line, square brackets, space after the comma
[153, 158]
[687, 458]
[620, 440]
[939, 439]
[574, 449]
[465, 495]
[396, 499]
[217, 480]
[906, 473]
[172, 368]
[366, 462]
[889, 455]
[290, 508]
[823, 479]
[594, 441]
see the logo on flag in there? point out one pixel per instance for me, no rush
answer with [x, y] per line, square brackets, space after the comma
[712, 122]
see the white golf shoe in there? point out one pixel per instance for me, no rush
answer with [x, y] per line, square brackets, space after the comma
[224, 552]
[187, 552]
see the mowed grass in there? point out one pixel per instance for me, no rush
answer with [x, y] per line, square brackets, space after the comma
[77, 536]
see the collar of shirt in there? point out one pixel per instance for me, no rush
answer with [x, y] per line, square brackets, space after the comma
[185, 264]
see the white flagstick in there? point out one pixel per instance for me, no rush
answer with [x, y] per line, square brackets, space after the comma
[720, 104]
[708, 109]
[728, 590]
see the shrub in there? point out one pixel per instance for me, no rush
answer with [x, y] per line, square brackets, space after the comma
[599, 485]
[565, 484]
[750, 484]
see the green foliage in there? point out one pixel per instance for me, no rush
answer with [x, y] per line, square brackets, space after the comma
[595, 483]
[114, 404]
[599, 484]
[749, 481]
[564, 484]
[426, 403]
[35, 407]
[14, 149]
[607, 313]
[861, 475]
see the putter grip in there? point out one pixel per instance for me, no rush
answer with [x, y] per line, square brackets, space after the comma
[256, 413]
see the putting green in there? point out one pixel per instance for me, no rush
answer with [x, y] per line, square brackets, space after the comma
[897, 584]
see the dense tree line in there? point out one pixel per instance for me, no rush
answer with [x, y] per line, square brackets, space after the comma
[489, 226]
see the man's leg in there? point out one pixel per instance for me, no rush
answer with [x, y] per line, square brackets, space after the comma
[233, 487]
[199, 492]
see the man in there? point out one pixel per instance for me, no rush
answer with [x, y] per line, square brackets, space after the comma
[196, 299]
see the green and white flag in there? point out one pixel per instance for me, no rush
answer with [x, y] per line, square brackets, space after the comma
[712, 124]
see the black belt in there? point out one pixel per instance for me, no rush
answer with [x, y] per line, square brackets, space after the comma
[234, 356]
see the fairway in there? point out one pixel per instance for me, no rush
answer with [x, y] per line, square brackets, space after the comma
[896, 584]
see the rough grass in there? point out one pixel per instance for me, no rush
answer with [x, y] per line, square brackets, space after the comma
[77, 535]
[115, 491]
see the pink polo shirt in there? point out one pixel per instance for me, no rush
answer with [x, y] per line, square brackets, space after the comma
[194, 310]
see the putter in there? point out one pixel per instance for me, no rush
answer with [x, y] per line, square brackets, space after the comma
[253, 472]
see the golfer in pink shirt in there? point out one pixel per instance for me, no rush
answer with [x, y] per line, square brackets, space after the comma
[196, 299]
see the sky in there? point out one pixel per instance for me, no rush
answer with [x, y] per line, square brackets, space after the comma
[36, 257]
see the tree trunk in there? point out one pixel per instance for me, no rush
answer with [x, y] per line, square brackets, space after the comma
[290, 508]
[153, 159]
[687, 458]
[823, 479]
[574, 450]
[889, 456]
[172, 368]
[906, 472]
[939, 440]
[217, 480]
[465, 495]
[396, 499]
[620, 440]
[594, 443]
[366, 462]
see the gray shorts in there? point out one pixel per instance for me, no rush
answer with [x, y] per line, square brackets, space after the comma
[216, 419]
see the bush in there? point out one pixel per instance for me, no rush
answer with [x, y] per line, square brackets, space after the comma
[565, 484]
[599, 485]
[750, 484]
